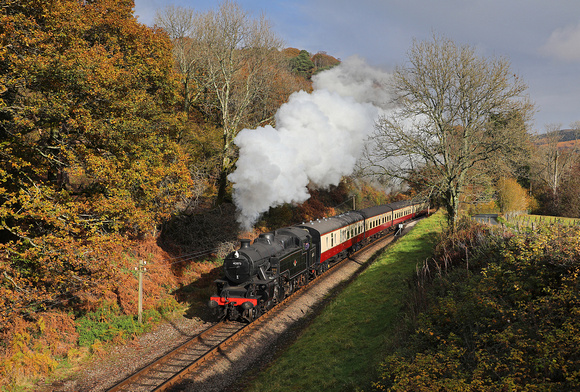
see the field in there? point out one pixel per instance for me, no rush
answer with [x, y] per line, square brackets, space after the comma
[542, 219]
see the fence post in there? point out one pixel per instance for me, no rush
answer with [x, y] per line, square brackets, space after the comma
[141, 269]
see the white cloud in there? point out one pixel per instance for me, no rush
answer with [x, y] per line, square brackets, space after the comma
[564, 43]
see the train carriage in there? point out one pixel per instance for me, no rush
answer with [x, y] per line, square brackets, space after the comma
[336, 235]
[259, 275]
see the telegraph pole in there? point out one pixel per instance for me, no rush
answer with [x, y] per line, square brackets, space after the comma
[140, 270]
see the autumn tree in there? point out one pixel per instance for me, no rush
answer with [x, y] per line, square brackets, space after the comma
[88, 159]
[322, 61]
[512, 199]
[448, 100]
[234, 60]
[570, 192]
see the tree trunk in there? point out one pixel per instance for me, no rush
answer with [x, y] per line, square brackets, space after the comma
[222, 188]
[451, 201]
[226, 166]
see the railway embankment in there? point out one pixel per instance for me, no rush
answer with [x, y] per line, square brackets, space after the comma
[341, 348]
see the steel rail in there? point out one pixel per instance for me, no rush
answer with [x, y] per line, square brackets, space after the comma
[180, 375]
[164, 358]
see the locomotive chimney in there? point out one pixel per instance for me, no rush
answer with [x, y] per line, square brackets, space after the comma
[245, 244]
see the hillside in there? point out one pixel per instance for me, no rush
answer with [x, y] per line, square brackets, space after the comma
[566, 138]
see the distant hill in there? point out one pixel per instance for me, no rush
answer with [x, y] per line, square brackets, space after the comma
[566, 138]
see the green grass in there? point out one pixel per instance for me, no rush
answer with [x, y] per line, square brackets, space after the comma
[547, 219]
[341, 349]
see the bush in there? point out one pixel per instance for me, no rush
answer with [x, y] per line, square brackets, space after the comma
[511, 323]
[32, 348]
[108, 324]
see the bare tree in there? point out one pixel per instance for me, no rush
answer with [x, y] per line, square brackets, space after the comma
[553, 158]
[178, 23]
[237, 54]
[229, 60]
[456, 112]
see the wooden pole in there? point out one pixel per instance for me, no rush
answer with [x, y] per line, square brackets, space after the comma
[141, 269]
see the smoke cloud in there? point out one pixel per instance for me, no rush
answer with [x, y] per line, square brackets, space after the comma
[317, 140]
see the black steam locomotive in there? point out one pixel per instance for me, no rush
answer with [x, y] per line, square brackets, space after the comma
[261, 274]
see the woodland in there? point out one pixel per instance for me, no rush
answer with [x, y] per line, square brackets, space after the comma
[116, 140]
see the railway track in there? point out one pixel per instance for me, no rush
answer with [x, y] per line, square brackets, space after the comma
[173, 367]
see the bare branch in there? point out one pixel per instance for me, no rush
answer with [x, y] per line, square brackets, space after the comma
[456, 111]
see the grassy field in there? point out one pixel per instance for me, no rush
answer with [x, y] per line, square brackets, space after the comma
[341, 349]
[547, 219]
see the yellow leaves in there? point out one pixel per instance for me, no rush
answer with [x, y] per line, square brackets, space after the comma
[33, 346]
[88, 161]
[511, 196]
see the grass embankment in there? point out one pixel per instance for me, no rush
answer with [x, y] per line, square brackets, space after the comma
[341, 349]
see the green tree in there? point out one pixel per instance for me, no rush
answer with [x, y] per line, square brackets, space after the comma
[302, 64]
[447, 100]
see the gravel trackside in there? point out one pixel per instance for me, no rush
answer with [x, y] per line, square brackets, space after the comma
[231, 369]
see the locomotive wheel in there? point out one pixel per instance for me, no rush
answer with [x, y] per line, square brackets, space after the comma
[289, 288]
[313, 274]
[252, 314]
[219, 312]
[278, 294]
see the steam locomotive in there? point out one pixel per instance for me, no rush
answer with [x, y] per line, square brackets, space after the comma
[260, 274]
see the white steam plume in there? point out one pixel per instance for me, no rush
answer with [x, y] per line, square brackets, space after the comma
[317, 140]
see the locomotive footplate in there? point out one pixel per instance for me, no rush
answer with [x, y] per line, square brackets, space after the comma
[236, 295]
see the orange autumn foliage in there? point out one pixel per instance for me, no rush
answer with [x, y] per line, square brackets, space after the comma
[89, 160]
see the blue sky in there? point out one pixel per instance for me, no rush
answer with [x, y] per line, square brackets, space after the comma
[541, 38]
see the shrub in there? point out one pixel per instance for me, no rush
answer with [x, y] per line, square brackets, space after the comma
[32, 348]
[511, 323]
[108, 324]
